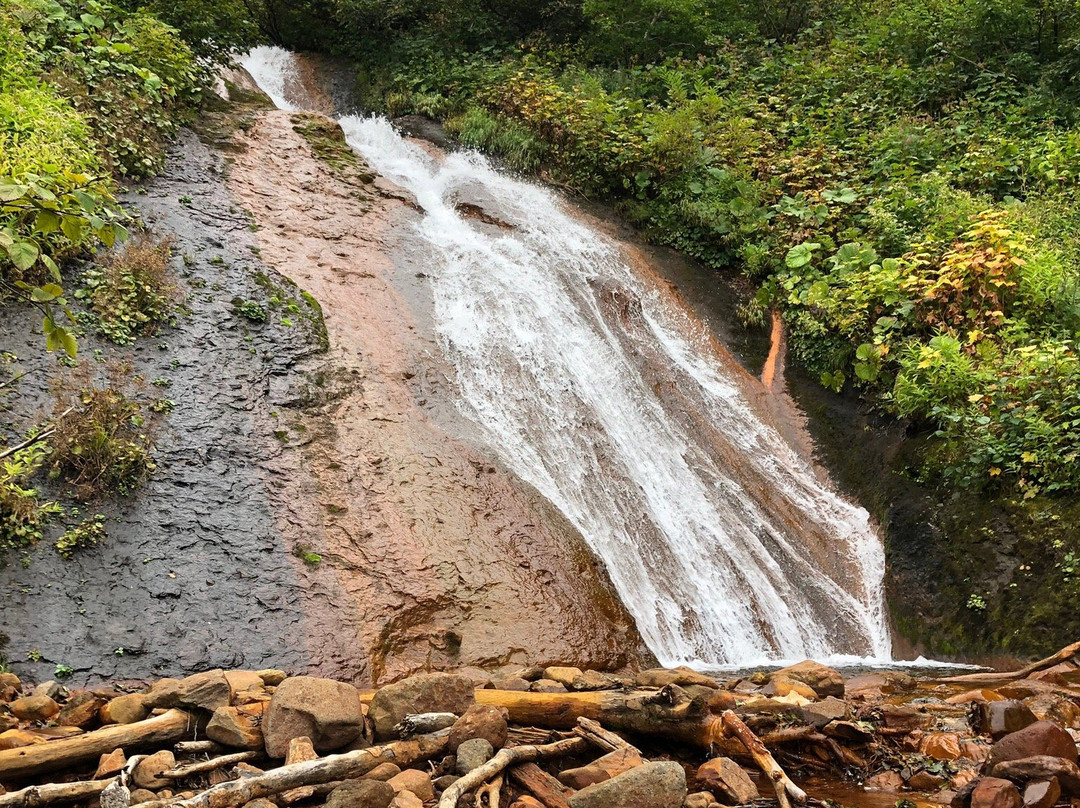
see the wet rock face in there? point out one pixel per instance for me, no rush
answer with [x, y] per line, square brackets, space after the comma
[432, 556]
[420, 553]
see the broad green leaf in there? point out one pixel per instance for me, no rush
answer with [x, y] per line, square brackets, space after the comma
[47, 221]
[801, 254]
[46, 294]
[10, 191]
[86, 201]
[72, 226]
[92, 21]
[818, 292]
[23, 254]
[54, 270]
[866, 352]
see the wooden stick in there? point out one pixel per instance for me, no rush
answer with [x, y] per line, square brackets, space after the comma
[781, 782]
[504, 759]
[541, 785]
[492, 791]
[49, 793]
[46, 757]
[209, 765]
[346, 766]
[197, 747]
[1064, 654]
[598, 736]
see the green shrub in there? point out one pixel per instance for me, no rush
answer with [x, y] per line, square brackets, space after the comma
[128, 290]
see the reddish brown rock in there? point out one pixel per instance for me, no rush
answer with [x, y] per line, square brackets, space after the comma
[414, 781]
[272, 677]
[780, 685]
[148, 770]
[384, 772]
[34, 708]
[110, 763]
[237, 727]
[241, 681]
[975, 696]
[925, 781]
[906, 718]
[1041, 793]
[205, 691]
[1041, 767]
[726, 779]
[124, 709]
[1041, 738]
[525, 801]
[425, 693]
[998, 718]
[81, 710]
[16, 738]
[991, 792]
[889, 782]
[326, 711]
[824, 680]
[940, 746]
[1055, 707]
[682, 676]
[479, 721]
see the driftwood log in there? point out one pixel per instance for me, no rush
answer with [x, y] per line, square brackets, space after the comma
[346, 766]
[504, 759]
[997, 677]
[160, 730]
[668, 713]
[52, 793]
[782, 785]
[200, 766]
[540, 784]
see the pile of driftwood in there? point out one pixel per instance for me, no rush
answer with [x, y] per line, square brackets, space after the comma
[882, 729]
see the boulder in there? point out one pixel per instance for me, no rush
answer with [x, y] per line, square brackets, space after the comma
[148, 770]
[699, 799]
[925, 781]
[301, 751]
[479, 721]
[240, 681]
[726, 779]
[525, 801]
[406, 799]
[564, 676]
[906, 718]
[1041, 793]
[237, 727]
[124, 709]
[384, 771]
[272, 677]
[990, 792]
[824, 680]
[8, 722]
[780, 685]
[511, 683]
[425, 693]
[326, 711]
[822, 712]
[601, 769]
[1055, 707]
[53, 689]
[141, 795]
[415, 781]
[472, 754]
[361, 794]
[940, 746]
[593, 680]
[110, 763]
[1040, 738]
[8, 679]
[204, 691]
[1041, 767]
[17, 738]
[975, 696]
[889, 782]
[682, 676]
[546, 686]
[34, 708]
[998, 718]
[444, 782]
[653, 785]
[81, 710]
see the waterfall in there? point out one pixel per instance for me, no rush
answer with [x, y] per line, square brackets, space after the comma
[593, 385]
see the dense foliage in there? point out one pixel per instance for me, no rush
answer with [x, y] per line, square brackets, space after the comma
[900, 179]
[87, 92]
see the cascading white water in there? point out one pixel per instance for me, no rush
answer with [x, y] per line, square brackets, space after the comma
[598, 391]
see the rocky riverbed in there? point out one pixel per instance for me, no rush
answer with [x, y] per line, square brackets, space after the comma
[555, 736]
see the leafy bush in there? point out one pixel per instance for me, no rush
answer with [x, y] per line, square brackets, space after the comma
[101, 444]
[22, 513]
[129, 290]
[88, 533]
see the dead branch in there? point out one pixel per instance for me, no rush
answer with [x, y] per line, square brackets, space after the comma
[504, 759]
[46, 757]
[209, 765]
[51, 793]
[782, 784]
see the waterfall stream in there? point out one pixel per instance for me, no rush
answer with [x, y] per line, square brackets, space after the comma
[590, 382]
